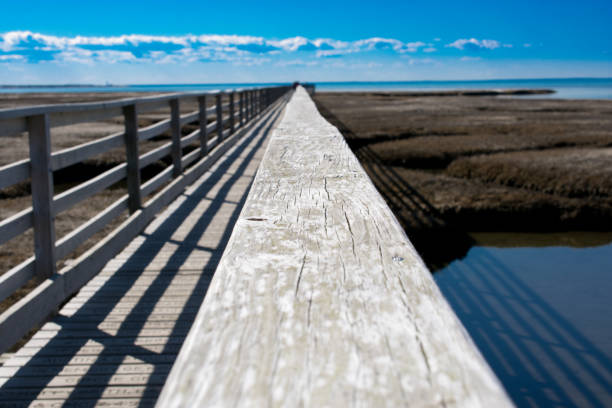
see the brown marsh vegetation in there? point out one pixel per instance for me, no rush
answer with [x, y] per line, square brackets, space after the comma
[448, 163]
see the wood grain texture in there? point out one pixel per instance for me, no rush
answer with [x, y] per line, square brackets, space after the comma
[219, 121]
[14, 173]
[130, 115]
[76, 154]
[16, 277]
[175, 126]
[320, 299]
[202, 120]
[15, 224]
[43, 219]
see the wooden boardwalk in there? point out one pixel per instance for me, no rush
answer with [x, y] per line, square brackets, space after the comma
[113, 344]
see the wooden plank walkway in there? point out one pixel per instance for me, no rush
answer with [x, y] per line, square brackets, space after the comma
[113, 343]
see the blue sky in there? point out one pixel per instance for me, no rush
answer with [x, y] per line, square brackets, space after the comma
[276, 41]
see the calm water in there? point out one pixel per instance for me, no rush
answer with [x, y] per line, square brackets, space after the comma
[541, 315]
[571, 88]
[574, 88]
[133, 88]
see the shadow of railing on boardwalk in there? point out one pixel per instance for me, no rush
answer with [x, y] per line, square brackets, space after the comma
[91, 385]
[541, 358]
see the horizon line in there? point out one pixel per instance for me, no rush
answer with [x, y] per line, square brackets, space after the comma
[115, 85]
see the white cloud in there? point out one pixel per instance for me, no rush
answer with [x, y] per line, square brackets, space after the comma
[28, 46]
[470, 58]
[379, 43]
[413, 46]
[290, 44]
[297, 63]
[12, 58]
[420, 61]
[473, 43]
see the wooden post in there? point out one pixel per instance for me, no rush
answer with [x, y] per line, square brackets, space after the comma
[250, 105]
[246, 106]
[130, 116]
[219, 117]
[42, 195]
[241, 108]
[175, 127]
[203, 123]
[231, 112]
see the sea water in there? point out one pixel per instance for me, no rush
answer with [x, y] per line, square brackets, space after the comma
[540, 313]
[566, 88]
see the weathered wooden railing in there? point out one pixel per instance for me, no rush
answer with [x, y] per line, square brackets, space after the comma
[320, 299]
[231, 120]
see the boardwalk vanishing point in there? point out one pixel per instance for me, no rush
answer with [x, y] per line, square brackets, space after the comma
[266, 270]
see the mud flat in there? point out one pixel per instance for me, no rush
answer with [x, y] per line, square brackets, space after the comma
[453, 162]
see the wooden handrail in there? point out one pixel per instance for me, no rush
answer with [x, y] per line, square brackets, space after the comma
[38, 120]
[320, 299]
[71, 113]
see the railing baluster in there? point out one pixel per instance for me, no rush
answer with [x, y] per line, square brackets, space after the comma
[219, 117]
[241, 103]
[42, 195]
[231, 112]
[203, 123]
[130, 116]
[246, 106]
[258, 101]
[175, 127]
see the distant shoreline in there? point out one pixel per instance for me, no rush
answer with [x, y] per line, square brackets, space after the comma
[564, 88]
[459, 92]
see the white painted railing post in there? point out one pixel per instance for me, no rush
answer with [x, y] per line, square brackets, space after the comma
[219, 117]
[42, 195]
[175, 127]
[203, 122]
[231, 112]
[130, 117]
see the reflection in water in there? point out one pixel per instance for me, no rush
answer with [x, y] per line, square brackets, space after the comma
[541, 318]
